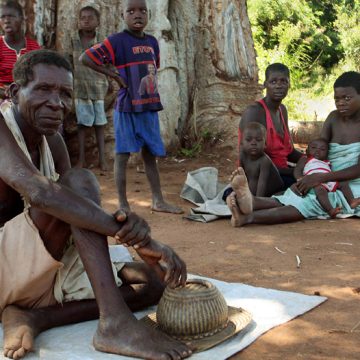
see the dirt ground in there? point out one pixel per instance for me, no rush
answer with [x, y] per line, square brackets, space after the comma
[329, 252]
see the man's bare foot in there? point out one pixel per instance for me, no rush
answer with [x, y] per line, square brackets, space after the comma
[162, 206]
[20, 329]
[137, 339]
[354, 203]
[333, 212]
[237, 218]
[241, 188]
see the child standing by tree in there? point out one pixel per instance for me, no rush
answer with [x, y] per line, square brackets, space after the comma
[13, 43]
[90, 87]
[136, 119]
[314, 162]
[263, 177]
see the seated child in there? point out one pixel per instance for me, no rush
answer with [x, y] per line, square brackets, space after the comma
[263, 177]
[316, 161]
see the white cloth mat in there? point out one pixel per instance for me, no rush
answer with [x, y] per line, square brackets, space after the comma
[269, 308]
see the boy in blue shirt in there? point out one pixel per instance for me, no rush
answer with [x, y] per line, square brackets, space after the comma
[135, 56]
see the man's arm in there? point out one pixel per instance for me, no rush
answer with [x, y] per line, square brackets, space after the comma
[61, 202]
[55, 199]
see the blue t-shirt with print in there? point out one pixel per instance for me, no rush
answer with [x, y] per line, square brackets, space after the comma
[137, 60]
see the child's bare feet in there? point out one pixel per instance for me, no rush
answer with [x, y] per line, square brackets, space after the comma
[20, 329]
[354, 203]
[333, 212]
[162, 206]
[241, 188]
[237, 218]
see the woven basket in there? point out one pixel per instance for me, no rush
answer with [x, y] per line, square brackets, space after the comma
[194, 311]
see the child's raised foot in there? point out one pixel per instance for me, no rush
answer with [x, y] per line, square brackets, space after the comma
[237, 218]
[162, 206]
[240, 186]
[236, 172]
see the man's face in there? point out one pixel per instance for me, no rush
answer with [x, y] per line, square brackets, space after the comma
[277, 85]
[88, 20]
[136, 15]
[347, 101]
[45, 101]
[10, 20]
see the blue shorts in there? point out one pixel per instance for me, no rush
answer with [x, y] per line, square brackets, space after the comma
[136, 130]
[90, 112]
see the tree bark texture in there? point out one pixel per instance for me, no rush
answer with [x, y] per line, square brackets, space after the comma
[208, 71]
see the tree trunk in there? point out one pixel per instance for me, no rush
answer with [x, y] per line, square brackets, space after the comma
[208, 71]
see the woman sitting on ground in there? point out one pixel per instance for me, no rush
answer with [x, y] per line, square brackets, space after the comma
[271, 113]
[342, 131]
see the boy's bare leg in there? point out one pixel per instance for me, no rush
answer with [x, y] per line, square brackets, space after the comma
[349, 196]
[152, 173]
[118, 330]
[120, 165]
[240, 186]
[271, 216]
[100, 139]
[81, 139]
[323, 197]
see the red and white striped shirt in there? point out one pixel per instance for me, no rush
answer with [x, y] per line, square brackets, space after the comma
[8, 57]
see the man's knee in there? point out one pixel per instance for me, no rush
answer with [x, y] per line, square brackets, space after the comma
[83, 182]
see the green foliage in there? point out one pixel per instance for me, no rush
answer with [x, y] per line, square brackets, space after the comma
[286, 31]
[195, 146]
[191, 152]
[317, 40]
[348, 27]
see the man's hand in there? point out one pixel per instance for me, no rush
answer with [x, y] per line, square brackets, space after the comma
[308, 182]
[165, 260]
[135, 231]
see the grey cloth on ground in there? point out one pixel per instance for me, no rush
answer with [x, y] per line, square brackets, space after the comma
[203, 189]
